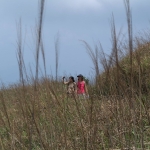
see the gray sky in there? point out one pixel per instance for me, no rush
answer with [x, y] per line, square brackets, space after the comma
[77, 20]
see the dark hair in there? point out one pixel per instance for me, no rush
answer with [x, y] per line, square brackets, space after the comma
[71, 77]
[80, 75]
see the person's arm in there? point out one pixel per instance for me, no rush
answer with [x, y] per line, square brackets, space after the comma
[86, 89]
[64, 82]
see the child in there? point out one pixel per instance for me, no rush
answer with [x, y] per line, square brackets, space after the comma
[82, 90]
[71, 86]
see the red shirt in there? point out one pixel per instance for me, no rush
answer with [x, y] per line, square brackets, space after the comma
[81, 87]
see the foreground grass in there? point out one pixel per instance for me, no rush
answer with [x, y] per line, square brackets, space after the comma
[42, 119]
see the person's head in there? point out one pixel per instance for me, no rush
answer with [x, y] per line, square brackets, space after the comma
[80, 77]
[71, 79]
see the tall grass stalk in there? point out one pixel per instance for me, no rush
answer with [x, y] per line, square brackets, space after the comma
[20, 53]
[115, 51]
[94, 57]
[57, 54]
[44, 59]
[39, 36]
[130, 39]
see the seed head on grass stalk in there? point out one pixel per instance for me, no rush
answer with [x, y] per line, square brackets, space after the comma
[56, 55]
[94, 57]
[130, 40]
[43, 55]
[39, 37]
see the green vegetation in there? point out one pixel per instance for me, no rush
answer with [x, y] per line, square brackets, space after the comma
[45, 119]
[36, 114]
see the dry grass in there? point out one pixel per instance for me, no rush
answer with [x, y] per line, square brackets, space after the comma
[42, 119]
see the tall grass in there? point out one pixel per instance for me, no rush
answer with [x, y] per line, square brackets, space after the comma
[60, 123]
[39, 36]
[37, 115]
[57, 54]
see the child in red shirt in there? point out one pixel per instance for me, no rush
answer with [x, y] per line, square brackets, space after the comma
[82, 90]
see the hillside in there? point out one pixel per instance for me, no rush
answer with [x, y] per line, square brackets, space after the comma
[116, 79]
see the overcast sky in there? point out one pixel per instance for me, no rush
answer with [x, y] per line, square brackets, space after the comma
[75, 20]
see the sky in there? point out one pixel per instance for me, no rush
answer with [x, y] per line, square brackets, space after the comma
[73, 21]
